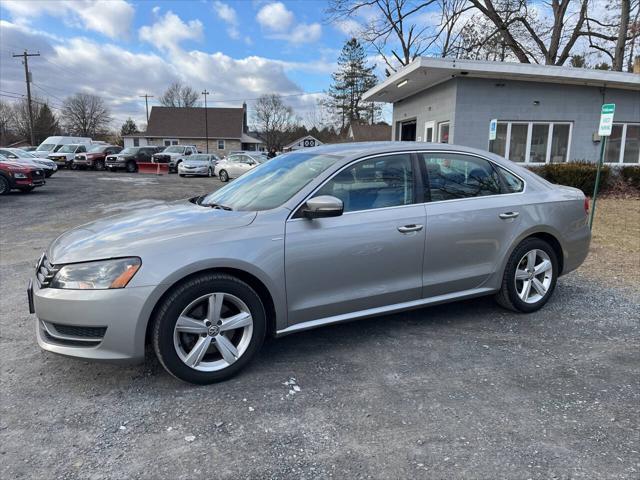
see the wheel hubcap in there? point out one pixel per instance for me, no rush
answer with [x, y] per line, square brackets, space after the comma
[213, 332]
[533, 276]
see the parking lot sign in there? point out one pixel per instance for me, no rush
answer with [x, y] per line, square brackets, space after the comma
[493, 129]
[606, 119]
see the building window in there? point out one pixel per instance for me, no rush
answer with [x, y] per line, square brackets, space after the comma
[623, 145]
[170, 141]
[532, 142]
[220, 144]
[136, 142]
[443, 132]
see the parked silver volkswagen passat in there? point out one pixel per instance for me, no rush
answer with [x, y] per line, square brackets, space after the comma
[326, 235]
[198, 164]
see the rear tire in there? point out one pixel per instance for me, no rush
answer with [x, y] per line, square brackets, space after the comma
[5, 186]
[195, 300]
[224, 176]
[530, 277]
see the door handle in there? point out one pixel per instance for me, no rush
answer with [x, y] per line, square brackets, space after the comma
[410, 228]
[507, 215]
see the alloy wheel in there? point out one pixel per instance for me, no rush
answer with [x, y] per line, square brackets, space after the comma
[4, 186]
[534, 275]
[213, 332]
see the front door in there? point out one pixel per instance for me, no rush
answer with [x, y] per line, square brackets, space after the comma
[369, 257]
[466, 237]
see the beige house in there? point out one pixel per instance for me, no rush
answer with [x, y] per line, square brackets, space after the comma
[225, 128]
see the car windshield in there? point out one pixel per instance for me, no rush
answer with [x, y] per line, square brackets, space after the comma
[46, 147]
[174, 149]
[199, 158]
[97, 149]
[272, 183]
[68, 149]
[129, 150]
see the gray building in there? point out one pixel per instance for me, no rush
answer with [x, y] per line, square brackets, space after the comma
[545, 113]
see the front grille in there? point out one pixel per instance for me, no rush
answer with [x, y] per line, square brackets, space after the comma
[45, 272]
[161, 158]
[83, 332]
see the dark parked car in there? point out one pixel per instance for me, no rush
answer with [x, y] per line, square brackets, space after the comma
[95, 157]
[16, 176]
[129, 157]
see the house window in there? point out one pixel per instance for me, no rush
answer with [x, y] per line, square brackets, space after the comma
[136, 142]
[623, 145]
[170, 141]
[443, 132]
[533, 142]
[220, 144]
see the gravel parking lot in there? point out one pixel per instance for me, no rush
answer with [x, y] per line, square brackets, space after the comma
[465, 390]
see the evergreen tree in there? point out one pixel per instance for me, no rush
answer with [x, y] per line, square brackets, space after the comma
[129, 127]
[45, 124]
[353, 78]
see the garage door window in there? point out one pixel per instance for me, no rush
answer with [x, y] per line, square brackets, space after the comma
[374, 183]
[451, 176]
[533, 142]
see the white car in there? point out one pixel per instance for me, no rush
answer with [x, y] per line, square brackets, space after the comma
[53, 144]
[20, 156]
[236, 165]
[198, 164]
[65, 155]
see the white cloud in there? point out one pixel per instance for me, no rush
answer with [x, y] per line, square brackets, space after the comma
[348, 27]
[227, 14]
[110, 17]
[120, 76]
[169, 31]
[279, 23]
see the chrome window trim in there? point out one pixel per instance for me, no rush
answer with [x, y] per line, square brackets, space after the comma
[410, 152]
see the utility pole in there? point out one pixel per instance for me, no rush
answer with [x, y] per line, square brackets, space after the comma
[146, 103]
[25, 57]
[206, 119]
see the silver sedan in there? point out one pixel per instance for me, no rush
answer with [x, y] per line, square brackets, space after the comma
[198, 164]
[330, 234]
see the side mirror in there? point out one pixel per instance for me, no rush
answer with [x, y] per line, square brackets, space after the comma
[323, 206]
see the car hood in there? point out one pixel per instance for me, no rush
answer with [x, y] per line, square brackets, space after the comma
[196, 163]
[131, 234]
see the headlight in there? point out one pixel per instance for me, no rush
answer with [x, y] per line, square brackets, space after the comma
[97, 275]
[20, 175]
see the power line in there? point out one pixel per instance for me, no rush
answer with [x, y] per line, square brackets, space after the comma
[27, 76]
[47, 92]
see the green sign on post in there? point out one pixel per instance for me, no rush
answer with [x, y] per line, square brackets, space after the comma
[604, 130]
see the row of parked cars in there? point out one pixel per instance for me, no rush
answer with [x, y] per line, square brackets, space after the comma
[21, 170]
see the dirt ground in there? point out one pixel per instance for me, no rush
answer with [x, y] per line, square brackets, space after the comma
[465, 390]
[615, 246]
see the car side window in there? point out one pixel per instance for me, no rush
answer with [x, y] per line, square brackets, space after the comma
[81, 149]
[374, 183]
[451, 176]
[512, 183]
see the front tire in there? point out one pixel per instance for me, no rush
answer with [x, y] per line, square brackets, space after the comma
[99, 165]
[208, 328]
[132, 167]
[530, 277]
[5, 186]
[224, 176]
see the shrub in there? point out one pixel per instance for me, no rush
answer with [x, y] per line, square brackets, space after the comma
[580, 175]
[631, 175]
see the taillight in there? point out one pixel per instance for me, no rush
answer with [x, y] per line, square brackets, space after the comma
[586, 205]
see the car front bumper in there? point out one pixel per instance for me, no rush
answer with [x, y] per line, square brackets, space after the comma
[193, 171]
[101, 325]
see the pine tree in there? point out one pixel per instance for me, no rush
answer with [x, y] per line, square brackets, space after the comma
[129, 127]
[45, 124]
[353, 78]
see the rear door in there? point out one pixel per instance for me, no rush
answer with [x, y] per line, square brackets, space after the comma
[371, 255]
[471, 221]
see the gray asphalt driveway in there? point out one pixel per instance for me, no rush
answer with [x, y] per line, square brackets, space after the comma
[465, 390]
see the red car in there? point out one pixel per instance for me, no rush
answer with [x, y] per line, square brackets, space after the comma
[94, 158]
[15, 176]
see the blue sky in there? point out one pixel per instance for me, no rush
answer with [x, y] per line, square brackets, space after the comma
[120, 49]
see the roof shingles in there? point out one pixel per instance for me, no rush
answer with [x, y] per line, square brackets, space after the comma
[189, 122]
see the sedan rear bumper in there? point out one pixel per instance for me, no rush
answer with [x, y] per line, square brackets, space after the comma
[102, 325]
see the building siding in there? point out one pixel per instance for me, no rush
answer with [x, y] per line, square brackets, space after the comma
[436, 104]
[201, 144]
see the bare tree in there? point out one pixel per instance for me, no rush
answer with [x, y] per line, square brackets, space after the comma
[273, 119]
[85, 115]
[179, 95]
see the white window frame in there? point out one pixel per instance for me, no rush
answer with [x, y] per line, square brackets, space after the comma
[527, 157]
[223, 144]
[440, 125]
[172, 141]
[430, 125]
[623, 140]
